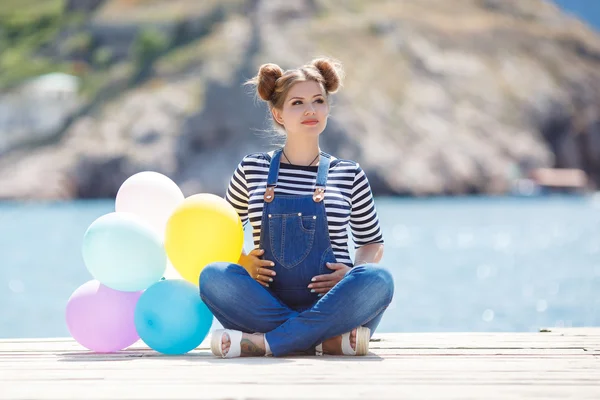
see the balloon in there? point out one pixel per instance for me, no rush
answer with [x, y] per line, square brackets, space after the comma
[204, 229]
[102, 319]
[171, 318]
[151, 196]
[171, 272]
[123, 252]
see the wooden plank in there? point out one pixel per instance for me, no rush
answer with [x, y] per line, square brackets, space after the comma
[347, 390]
[401, 340]
[557, 364]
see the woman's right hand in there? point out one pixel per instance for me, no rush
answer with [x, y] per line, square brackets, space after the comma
[257, 268]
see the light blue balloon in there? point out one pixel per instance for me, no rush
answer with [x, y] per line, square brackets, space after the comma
[123, 252]
[171, 318]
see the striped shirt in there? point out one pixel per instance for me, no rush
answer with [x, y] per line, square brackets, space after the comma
[348, 198]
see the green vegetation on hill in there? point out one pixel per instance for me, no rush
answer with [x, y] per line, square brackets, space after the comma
[27, 29]
[40, 36]
[31, 8]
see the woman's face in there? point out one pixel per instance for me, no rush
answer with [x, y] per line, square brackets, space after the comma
[305, 109]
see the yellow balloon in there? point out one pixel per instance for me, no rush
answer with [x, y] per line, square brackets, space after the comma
[205, 228]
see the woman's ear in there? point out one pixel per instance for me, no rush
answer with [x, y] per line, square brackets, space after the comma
[277, 115]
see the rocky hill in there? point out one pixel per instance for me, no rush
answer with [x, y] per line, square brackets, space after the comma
[440, 98]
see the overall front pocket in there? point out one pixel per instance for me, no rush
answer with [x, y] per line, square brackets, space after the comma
[292, 237]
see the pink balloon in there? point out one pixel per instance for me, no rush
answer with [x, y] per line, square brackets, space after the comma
[102, 319]
[151, 196]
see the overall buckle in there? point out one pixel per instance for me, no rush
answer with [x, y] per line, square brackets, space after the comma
[269, 194]
[319, 194]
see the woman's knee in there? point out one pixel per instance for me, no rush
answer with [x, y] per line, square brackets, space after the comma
[378, 280]
[215, 278]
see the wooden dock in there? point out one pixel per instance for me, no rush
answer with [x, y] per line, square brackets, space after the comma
[553, 364]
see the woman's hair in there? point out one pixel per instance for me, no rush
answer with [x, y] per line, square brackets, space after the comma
[273, 84]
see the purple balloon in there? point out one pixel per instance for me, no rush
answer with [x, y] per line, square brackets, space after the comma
[102, 319]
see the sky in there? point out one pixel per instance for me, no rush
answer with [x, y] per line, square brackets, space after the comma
[586, 10]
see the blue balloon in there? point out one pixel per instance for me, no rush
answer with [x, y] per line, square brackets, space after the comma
[171, 318]
[123, 252]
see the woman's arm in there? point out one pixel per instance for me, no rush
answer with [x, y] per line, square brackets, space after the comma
[364, 222]
[237, 195]
[369, 254]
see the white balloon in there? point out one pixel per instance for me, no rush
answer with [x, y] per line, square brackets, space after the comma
[151, 196]
[171, 272]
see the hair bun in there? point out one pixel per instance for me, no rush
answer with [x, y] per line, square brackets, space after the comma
[266, 79]
[331, 71]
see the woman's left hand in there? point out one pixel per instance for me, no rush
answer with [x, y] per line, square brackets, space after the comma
[323, 283]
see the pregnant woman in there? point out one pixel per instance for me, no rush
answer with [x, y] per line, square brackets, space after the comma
[298, 291]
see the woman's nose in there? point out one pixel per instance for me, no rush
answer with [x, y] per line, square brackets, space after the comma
[309, 110]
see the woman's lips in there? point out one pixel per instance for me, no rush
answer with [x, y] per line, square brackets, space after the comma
[311, 122]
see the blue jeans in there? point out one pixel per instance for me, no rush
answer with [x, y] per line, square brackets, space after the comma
[241, 303]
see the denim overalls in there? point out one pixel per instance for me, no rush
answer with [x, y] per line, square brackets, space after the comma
[295, 236]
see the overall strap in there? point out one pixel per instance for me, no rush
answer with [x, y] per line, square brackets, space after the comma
[322, 173]
[274, 169]
[320, 186]
[272, 178]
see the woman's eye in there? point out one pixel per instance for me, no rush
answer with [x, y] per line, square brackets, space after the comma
[296, 102]
[320, 101]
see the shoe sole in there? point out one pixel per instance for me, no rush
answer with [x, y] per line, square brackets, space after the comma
[363, 337]
[216, 341]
